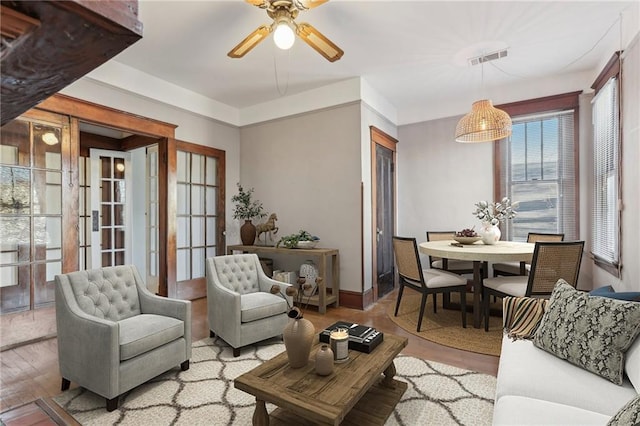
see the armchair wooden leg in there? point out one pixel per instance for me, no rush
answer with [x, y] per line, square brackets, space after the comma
[185, 365]
[435, 302]
[65, 384]
[236, 352]
[212, 334]
[112, 404]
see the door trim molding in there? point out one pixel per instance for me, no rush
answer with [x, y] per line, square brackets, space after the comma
[378, 137]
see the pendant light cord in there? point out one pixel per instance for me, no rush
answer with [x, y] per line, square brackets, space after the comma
[275, 70]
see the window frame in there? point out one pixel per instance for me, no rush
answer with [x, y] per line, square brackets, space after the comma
[611, 70]
[548, 104]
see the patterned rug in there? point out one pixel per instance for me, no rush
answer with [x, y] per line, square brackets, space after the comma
[437, 394]
[445, 326]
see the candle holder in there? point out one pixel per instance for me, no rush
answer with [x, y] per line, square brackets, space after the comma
[339, 341]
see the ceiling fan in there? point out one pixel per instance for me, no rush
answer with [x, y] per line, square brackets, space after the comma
[283, 13]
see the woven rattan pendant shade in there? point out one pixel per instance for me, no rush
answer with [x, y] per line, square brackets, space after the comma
[484, 123]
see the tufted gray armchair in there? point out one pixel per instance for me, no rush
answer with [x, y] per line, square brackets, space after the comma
[114, 334]
[240, 307]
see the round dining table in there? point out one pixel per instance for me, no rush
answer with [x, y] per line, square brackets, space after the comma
[502, 251]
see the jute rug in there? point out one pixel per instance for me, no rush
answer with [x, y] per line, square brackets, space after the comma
[437, 394]
[445, 326]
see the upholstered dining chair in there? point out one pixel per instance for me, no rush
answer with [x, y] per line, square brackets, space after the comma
[551, 261]
[515, 268]
[240, 306]
[114, 334]
[425, 281]
[452, 265]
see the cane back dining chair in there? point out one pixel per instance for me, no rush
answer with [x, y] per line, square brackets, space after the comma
[424, 281]
[515, 268]
[551, 261]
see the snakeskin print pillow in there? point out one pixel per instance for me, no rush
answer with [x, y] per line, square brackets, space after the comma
[591, 332]
[628, 415]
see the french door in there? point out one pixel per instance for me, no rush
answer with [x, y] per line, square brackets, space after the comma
[110, 208]
[34, 193]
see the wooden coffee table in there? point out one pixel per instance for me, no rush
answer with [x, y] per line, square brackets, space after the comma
[359, 391]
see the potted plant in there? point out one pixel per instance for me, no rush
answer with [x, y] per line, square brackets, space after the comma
[302, 239]
[246, 208]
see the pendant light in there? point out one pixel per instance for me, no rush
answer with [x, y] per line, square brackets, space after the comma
[485, 123]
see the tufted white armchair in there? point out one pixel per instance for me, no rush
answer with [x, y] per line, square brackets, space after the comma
[240, 307]
[114, 334]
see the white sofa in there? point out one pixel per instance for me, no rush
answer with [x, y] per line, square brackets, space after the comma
[537, 388]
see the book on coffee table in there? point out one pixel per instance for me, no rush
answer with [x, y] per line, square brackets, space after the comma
[362, 338]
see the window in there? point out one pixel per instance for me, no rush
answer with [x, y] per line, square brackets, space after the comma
[537, 167]
[606, 137]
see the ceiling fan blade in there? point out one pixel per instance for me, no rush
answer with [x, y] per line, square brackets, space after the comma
[250, 42]
[319, 42]
[307, 4]
[259, 3]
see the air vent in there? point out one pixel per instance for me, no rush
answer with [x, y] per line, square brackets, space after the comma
[488, 57]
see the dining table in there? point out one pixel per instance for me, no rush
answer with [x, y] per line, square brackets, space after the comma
[478, 253]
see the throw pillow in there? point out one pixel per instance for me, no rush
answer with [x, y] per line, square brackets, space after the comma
[591, 332]
[628, 415]
[522, 316]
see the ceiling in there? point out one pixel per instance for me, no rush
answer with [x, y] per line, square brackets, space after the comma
[412, 53]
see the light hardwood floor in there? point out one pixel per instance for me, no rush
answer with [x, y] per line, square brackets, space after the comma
[29, 372]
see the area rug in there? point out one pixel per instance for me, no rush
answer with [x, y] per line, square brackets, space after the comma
[437, 394]
[445, 326]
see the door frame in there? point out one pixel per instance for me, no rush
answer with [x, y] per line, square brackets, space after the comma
[146, 131]
[378, 137]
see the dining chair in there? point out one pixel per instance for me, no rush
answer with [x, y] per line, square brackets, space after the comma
[516, 268]
[425, 281]
[551, 261]
[451, 265]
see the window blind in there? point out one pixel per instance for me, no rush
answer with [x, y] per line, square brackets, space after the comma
[539, 171]
[605, 158]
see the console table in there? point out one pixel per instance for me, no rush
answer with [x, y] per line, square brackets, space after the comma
[325, 296]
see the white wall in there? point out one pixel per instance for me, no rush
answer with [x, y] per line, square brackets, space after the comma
[306, 169]
[440, 180]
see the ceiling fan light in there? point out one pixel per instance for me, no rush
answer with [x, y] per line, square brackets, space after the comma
[284, 36]
[484, 123]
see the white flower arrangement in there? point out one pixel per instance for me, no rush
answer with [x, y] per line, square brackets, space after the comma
[497, 212]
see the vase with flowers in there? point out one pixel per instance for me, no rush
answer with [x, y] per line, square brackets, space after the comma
[491, 215]
[247, 208]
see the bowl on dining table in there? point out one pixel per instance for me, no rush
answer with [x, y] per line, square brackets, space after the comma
[467, 240]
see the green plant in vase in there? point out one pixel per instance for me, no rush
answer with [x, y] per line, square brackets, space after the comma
[246, 208]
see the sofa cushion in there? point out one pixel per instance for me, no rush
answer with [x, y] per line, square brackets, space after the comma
[519, 410]
[628, 415]
[609, 291]
[145, 332]
[255, 306]
[589, 331]
[522, 316]
[531, 372]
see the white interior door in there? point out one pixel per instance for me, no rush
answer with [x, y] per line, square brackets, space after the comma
[110, 208]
